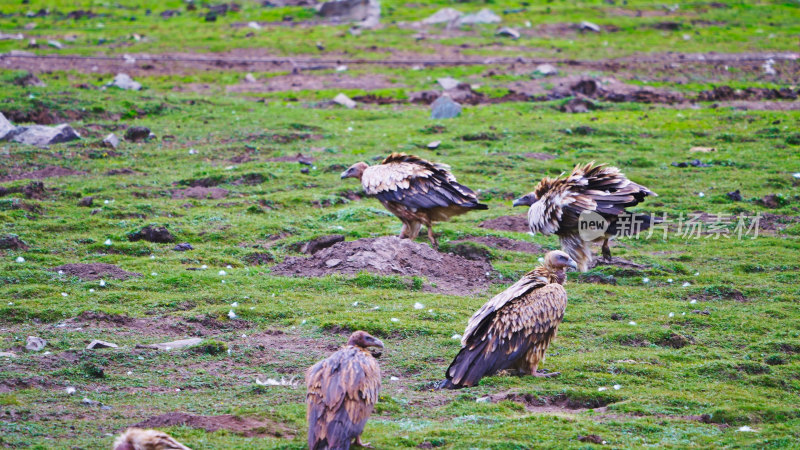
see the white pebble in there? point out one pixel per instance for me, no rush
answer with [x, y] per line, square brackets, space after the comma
[746, 429]
[541, 259]
[192, 151]
[430, 310]
[355, 303]
[303, 322]
[669, 280]
[177, 389]
[631, 323]
[231, 314]
[617, 387]
[91, 290]
[70, 390]
[107, 242]
[105, 201]
[61, 272]
[234, 304]
[686, 284]
[672, 314]
[20, 259]
[222, 272]
[244, 336]
[693, 302]
[252, 308]
[152, 256]
[204, 266]
[701, 195]
[601, 389]
[645, 280]
[796, 174]
[696, 273]
[375, 308]
[229, 266]
[456, 337]
[10, 303]
[102, 283]
[418, 305]
[394, 378]
[130, 373]
[395, 319]
[64, 294]
[222, 281]
[153, 273]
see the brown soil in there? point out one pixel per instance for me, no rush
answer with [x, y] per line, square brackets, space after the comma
[245, 426]
[298, 158]
[200, 193]
[123, 171]
[552, 404]
[152, 233]
[776, 222]
[502, 243]
[391, 255]
[616, 262]
[12, 242]
[47, 172]
[95, 271]
[157, 326]
[305, 82]
[518, 224]
[539, 156]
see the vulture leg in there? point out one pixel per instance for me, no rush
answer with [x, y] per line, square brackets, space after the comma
[431, 238]
[360, 443]
[606, 250]
[413, 230]
[404, 230]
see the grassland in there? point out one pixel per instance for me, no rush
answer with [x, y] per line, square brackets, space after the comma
[702, 340]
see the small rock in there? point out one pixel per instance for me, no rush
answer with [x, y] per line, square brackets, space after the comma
[250, 78]
[509, 32]
[771, 201]
[152, 233]
[70, 390]
[124, 81]
[172, 345]
[8, 355]
[445, 15]
[448, 83]
[11, 37]
[88, 402]
[111, 141]
[34, 344]
[136, 134]
[333, 262]
[735, 196]
[577, 105]
[6, 127]
[254, 25]
[313, 246]
[86, 201]
[27, 80]
[345, 101]
[182, 247]
[434, 145]
[546, 70]
[55, 44]
[95, 344]
[589, 26]
[703, 149]
[481, 17]
[42, 136]
[445, 108]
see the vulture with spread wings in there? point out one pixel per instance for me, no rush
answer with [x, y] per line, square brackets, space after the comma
[592, 196]
[417, 191]
[342, 391]
[512, 331]
[139, 439]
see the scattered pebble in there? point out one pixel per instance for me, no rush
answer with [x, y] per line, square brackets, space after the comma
[394, 378]
[541, 259]
[20, 259]
[355, 303]
[701, 195]
[669, 280]
[204, 267]
[192, 151]
[746, 429]
[696, 273]
[672, 314]
[222, 272]
[231, 314]
[687, 284]
[617, 387]
[130, 373]
[303, 322]
[395, 319]
[418, 305]
[91, 290]
[108, 241]
[234, 304]
[153, 274]
[456, 336]
[631, 323]
[485, 399]
[64, 294]
[229, 266]
[601, 389]
[70, 390]
[102, 283]
[645, 280]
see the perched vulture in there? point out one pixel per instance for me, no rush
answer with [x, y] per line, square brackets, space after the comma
[342, 391]
[562, 205]
[418, 192]
[138, 439]
[511, 331]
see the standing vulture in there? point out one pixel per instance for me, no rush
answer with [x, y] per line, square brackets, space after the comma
[418, 192]
[138, 439]
[594, 191]
[513, 329]
[342, 391]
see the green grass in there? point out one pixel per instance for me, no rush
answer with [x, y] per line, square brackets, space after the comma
[737, 365]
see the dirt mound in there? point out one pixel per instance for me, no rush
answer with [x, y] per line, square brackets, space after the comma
[245, 426]
[152, 233]
[298, 158]
[123, 171]
[47, 172]
[95, 271]
[390, 255]
[200, 193]
[616, 262]
[502, 243]
[12, 242]
[507, 223]
[552, 404]
[721, 93]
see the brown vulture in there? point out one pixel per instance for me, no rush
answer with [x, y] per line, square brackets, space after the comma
[418, 192]
[511, 331]
[138, 439]
[342, 391]
[590, 194]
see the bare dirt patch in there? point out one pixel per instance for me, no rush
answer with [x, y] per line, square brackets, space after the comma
[245, 426]
[616, 262]
[552, 404]
[298, 158]
[200, 193]
[777, 222]
[95, 271]
[157, 326]
[391, 255]
[502, 243]
[306, 82]
[12, 242]
[47, 172]
[539, 156]
[518, 224]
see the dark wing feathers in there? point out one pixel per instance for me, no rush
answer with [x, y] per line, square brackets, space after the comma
[342, 391]
[417, 184]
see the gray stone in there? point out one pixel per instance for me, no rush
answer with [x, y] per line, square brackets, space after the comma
[445, 108]
[510, 32]
[345, 101]
[42, 136]
[482, 16]
[8, 355]
[13, 37]
[136, 134]
[333, 262]
[172, 345]
[89, 402]
[345, 10]
[373, 18]
[86, 201]
[95, 344]
[35, 344]
[434, 145]
[123, 81]
[250, 78]
[546, 70]
[55, 44]
[589, 26]
[577, 105]
[6, 127]
[447, 83]
[445, 15]
[111, 141]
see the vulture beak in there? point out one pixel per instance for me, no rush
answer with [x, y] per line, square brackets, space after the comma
[345, 174]
[571, 263]
[525, 200]
[375, 342]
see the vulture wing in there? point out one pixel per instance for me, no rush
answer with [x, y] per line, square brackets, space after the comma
[506, 328]
[342, 391]
[417, 184]
[599, 188]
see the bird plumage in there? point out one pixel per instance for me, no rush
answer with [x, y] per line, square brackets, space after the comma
[417, 191]
[556, 206]
[139, 439]
[513, 330]
[342, 391]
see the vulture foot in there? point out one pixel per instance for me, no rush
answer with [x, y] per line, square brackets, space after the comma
[545, 374]
[360, 443]
[606, 251]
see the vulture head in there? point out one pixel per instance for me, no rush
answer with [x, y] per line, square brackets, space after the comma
[364, 340]
[557, 261]
[355, 171]
[526, 200]
[137, 439]
[542, 188]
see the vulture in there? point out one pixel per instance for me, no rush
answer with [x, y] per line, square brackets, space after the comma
[342, 391]
[511, 331]
[417, 191]
[592, 193]
[138, 439]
